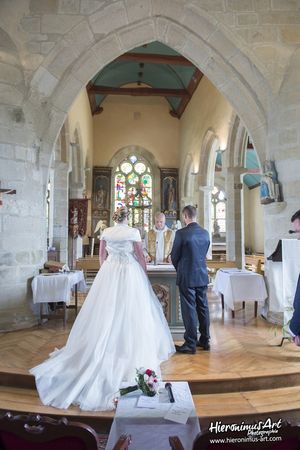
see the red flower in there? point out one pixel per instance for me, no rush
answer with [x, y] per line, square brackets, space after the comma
[148, 372]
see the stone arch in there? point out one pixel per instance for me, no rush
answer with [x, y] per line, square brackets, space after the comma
[187, 180]
[208, 158]
[203, 45]
[206, 176]
[149, 157]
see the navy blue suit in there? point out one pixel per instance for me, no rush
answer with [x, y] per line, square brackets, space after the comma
[295, 320]
[189, 259]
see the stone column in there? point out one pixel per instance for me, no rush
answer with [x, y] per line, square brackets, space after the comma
[60, 203]
[23, 239]
[204, 212]
[234, 216]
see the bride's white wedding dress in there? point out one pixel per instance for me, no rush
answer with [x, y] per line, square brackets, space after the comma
[121, 327]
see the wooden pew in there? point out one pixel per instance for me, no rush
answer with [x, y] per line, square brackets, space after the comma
[217, 264]
[255, 263]
[90, 266]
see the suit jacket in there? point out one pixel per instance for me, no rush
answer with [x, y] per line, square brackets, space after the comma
[189, 255]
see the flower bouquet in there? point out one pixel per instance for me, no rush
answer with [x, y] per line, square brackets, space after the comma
[147, 382]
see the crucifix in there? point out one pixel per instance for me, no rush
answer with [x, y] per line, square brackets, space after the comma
[5, 191]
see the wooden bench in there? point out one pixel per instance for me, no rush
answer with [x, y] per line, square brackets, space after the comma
[217, 264]
[90, 266]
[255, 263]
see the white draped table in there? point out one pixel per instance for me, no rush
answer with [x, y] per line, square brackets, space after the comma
[236, 285]
[48, 288]
[147, 427]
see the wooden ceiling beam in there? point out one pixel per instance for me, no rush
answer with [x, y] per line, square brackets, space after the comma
[95, 109]
[155, 59]
[142, 91]
[193, 84]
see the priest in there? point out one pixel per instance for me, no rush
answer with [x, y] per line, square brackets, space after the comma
[159, 241]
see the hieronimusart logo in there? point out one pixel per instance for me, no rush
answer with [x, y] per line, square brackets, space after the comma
[261, 431]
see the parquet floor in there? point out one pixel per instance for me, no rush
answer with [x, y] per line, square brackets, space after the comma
[244, 373]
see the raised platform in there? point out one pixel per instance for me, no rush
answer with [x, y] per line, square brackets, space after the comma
[245, 375]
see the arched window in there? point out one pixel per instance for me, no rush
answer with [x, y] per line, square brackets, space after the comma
[218, 213]
[133, 187]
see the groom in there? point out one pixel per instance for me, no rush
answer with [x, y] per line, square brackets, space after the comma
[189, 259]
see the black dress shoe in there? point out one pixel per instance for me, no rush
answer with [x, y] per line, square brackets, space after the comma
[204, 345]
[185, 349]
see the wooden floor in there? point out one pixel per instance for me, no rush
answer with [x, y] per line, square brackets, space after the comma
[245, 373]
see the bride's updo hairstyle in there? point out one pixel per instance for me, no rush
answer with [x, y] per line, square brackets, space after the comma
[120, 214]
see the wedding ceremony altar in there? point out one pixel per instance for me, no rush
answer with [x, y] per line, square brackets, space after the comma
[151, 420]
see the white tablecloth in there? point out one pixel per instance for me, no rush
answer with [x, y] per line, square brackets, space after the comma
[56, 287]
[282, 278]
[147, 427]
[239, 285]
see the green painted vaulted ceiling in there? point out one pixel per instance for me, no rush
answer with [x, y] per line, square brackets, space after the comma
[152, 69]
[156, 69]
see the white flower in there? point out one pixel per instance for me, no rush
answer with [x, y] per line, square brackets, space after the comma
[146, 377]
[141, 371]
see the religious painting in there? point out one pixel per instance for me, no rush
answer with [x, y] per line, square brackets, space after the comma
[101, 198]
[169, 195]
[78, 209]
[101, 187]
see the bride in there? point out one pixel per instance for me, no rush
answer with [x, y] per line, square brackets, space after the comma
[120, 327]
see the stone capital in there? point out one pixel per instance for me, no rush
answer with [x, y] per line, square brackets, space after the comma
[206, 189]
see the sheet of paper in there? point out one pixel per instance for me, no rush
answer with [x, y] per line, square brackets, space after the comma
[179, 412]
[148, 402]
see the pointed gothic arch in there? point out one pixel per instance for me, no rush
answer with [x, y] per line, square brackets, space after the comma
[188, 38]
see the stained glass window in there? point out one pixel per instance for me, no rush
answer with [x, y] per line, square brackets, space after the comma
[133, 187]
[218, 212]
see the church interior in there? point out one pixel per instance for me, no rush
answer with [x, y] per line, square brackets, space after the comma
[155, 105]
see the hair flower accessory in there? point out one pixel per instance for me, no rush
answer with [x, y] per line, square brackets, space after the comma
[147, 382]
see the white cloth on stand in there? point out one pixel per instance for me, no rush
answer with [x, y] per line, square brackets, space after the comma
[290, 274]
[56, 287]
[239, 285]
[282, 278]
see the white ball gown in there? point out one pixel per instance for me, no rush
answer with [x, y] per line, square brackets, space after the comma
[120, 327]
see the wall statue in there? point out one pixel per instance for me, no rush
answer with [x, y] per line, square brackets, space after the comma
[269, 185]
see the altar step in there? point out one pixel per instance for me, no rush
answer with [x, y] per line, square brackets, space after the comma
[224, 383]
[249, 406]
[22, 400]
[227, 407]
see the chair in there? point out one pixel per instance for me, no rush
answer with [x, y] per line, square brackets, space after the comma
[287, 438]
[34, 432]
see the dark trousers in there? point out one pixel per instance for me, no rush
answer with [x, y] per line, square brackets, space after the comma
[295, 320]
[194, 309]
